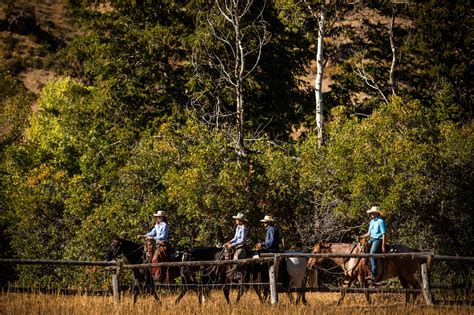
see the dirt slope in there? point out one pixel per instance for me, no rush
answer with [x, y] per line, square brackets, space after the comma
[31, 33]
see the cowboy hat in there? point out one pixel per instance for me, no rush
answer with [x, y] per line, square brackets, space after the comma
[240, 216]
[160, 213]
[267, 218]
[374, 209]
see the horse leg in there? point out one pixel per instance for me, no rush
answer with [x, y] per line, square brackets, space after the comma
[404, 284]
[301, 297]
[136, 291]
[226, 292]
[260, 293]
[290, 297]
[415, 284]
[343, 292]
[258, 290]
[204, 295]
[154, 290]
[240, 292]
[181, 294]
[363, 282]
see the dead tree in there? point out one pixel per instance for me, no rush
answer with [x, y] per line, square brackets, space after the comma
[237, 31]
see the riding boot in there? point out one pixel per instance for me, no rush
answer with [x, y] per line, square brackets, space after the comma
[155, 271]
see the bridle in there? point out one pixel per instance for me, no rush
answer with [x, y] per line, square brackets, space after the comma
[117, 248]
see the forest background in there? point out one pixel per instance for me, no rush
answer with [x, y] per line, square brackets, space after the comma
[139, 113]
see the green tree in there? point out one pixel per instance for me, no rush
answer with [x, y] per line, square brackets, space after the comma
[15, 104]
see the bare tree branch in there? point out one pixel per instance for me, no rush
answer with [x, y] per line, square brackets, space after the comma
[359, 70]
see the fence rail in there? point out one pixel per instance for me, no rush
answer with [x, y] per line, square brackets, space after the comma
[116, 267]
[413, 255]
[56, 262]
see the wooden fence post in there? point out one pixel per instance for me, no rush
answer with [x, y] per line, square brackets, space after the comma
[273, 276]
[116, 282]
[425, 281]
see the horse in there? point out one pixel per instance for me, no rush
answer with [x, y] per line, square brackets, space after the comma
[218, 274]
[298, 272]
[136, 253]
[355, 268]
[292, 273]
[208, 275]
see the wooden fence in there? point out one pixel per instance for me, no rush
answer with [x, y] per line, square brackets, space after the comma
[118, 265]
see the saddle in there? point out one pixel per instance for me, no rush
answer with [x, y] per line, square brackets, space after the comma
[162, 252]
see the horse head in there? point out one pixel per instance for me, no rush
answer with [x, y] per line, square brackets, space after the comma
[364, 245]
[319, 248]
[116, 248]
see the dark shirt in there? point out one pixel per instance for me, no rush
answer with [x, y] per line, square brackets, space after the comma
[272, 239]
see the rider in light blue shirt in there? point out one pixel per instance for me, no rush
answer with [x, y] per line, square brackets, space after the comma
[377, 228]
[160, 235]
[240, 237]
[159, 232]
[239, 242]
[377, 238]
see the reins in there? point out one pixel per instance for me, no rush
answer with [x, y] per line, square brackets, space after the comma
[343, 264]
[133, 251]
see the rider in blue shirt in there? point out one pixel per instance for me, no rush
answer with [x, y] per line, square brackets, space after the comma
[239, 241]
[160, 230]
[160, 234]
[377, 237]
[241, 231]
[272, 237]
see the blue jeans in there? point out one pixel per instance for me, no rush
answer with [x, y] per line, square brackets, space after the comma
[375, 248]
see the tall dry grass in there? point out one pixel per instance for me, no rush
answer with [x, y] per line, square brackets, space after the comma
[319, 303]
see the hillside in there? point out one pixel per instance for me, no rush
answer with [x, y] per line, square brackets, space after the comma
[31, 33]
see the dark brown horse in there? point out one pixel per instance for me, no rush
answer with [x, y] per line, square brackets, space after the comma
[136, 253]
[356, 268]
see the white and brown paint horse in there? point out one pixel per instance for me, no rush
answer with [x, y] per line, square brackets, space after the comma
[356, 268]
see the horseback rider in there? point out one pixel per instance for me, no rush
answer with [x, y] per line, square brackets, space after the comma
[272, 238]
[377, 238]
[159, 233]
[239, 242]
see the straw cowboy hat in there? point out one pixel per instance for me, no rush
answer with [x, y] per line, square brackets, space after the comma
[240, 216]
[160, 213]
[374, 209]
[267, 218]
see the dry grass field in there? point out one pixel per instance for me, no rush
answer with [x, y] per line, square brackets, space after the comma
[319, 303]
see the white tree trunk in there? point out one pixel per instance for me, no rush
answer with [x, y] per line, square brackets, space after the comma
[318, 82]
[392, 80]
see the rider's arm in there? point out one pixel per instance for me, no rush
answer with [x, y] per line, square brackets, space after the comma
[152, 233]
[366, 235]
[384, 240]
[232, 241]
[270, 238]
[384, 234]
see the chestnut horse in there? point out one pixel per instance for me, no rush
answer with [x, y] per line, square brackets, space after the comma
[356, 268]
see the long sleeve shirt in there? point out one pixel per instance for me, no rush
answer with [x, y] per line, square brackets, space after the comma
[376, 228]
[240, 236]
[272, 239]
[159, 232]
